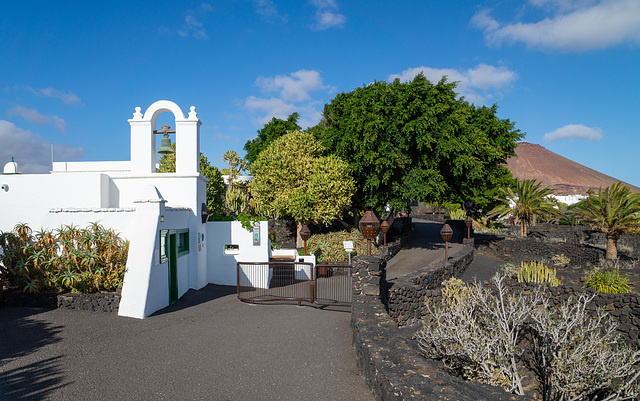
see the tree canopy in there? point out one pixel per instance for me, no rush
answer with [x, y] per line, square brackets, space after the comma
[416, 140]
[271, 131]
[291, 178]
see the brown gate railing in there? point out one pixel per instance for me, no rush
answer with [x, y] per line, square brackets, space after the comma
[333, 284]
[326, 284]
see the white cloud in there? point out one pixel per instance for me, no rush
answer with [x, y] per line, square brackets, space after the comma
[574, 131]
[31, 152]
[475, 84]
[578, 25]
[34, 116]
[327, 15]
[294, 93]
[66, 97]
[269, 108]
[268, 11]
[295, 87]
[192, 22]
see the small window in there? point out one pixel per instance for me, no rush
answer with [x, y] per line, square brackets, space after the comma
[183, 242]
[231, 249]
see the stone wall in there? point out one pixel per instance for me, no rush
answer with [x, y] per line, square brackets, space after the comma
[406, 297]
[390, 363]
[628, 244]
[285, 231]
[98, 302]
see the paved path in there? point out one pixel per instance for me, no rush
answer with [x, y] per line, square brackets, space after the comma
[426, 246]
[207, 346]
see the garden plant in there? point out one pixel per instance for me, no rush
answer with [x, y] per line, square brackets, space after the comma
[76, 259]
[573, 354]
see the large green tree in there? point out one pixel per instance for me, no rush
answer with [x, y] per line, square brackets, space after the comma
[417, 140]
[215, 186]
[271, 131]
[613, 210]
[525, 199]
[291, 178]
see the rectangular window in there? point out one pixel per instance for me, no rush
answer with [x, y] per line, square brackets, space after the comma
[231, 249]
[183, 242]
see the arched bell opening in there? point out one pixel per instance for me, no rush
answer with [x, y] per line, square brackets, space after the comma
[165, 142]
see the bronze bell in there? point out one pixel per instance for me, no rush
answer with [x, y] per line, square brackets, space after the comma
[165, 145]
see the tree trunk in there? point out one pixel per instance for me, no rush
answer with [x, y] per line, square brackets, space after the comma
[299, 241]
[523, 228]
[612, 247]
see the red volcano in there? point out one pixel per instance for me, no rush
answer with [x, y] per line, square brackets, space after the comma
[564, 176]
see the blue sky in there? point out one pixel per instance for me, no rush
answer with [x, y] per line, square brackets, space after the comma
[567, 72]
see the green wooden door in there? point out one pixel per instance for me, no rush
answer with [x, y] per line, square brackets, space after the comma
[173, 268]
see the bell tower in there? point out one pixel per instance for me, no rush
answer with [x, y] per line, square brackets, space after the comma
[143, 143]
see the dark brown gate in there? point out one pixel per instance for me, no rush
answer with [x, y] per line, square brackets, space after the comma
[324, 284]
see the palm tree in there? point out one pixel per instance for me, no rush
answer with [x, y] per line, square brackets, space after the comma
[525, 199]
[613, 211]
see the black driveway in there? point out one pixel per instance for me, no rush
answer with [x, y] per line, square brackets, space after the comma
[207, 346]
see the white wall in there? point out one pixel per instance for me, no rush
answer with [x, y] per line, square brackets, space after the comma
[29, 197]
[222, 267]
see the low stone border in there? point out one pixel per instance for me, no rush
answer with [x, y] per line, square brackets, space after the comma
[391, 365]
[98, 302]
[406, 296]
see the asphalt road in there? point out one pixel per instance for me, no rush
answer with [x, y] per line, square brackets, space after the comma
[207, 346]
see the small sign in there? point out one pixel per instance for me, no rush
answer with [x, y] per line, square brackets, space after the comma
[348, 246]
[256, 234]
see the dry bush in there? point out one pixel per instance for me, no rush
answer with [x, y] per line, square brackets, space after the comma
[575, 356]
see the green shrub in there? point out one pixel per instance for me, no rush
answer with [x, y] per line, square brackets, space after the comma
[329, 248]
[608, 281]
[536, 272]
[457, 214]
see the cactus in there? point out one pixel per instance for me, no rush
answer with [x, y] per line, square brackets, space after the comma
[237, 200]
[537, 272]
[454, 292]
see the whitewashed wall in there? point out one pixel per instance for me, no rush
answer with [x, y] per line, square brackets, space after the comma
[222, 267]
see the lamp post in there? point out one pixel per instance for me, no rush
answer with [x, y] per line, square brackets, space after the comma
[468, 221]
[384, 227]
[305, 233]
[205, 212]
[369, 226]
[446, 234]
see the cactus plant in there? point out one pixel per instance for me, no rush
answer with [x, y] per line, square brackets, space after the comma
[537, 272]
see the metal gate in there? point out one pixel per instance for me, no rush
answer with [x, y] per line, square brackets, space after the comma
[324, 284]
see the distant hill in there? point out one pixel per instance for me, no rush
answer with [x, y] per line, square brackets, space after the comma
[564, 176]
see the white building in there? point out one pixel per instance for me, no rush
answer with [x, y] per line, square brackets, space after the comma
[171, 248]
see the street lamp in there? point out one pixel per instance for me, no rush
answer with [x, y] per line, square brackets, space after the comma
[369, 226]
[305, 233]
[468, 221]
[446, 234]
[384, 227]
